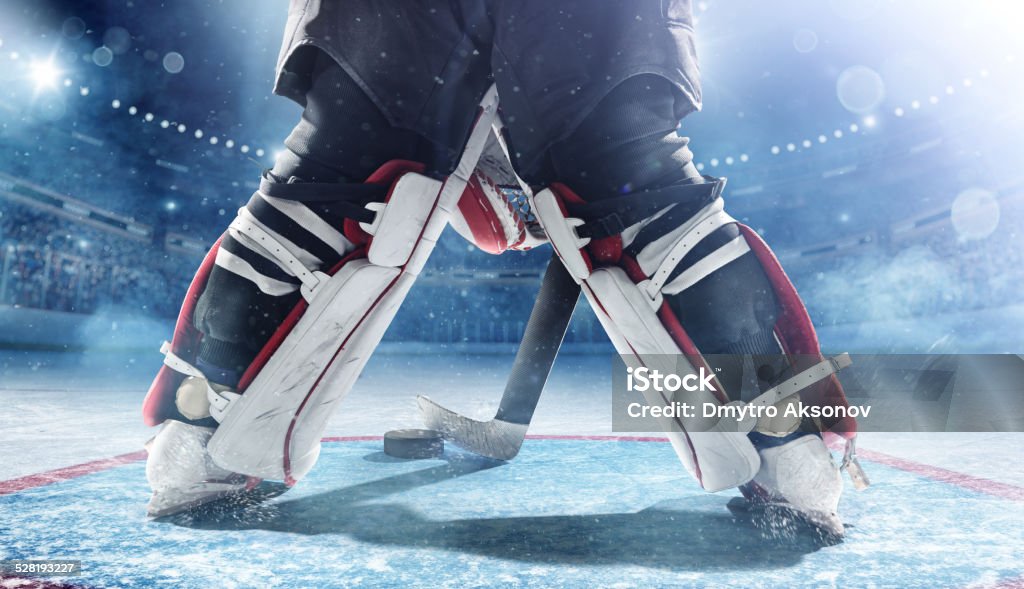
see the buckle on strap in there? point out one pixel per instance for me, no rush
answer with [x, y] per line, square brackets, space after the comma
[376, 210]
[602, 227]
[852, 466]
[220, 402]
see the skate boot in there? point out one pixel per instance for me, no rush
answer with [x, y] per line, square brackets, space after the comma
[797, 475]
[181, 472]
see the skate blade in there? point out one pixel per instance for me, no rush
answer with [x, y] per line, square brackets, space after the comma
[215, 506]
[779, 517]
[162, 504]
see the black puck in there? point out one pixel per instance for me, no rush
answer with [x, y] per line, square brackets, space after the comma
[413, 443]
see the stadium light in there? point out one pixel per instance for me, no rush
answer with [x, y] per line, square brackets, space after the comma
[44, 74]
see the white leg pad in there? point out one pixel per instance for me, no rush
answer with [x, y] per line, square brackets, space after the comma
[273, 429]
[719, 459]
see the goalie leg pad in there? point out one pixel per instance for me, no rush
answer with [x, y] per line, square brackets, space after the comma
[159, 403]
[628, 295]
[273, 430]
[312, 359]
[717, 458]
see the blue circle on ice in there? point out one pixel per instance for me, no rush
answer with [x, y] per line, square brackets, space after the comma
[975, 214]
[174, 62]
[860, 89]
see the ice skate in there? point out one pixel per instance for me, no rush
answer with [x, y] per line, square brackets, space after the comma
[181, 473]
[798, 476]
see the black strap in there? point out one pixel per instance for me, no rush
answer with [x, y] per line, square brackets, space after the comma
[612, 216]
[322, 191]
[348, 200]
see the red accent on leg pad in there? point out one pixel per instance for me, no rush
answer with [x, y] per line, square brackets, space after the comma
[159, 402]
[607, 250]
[157, 405]
[797, 335]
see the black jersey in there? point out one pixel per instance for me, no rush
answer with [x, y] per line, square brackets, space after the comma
[427, 63]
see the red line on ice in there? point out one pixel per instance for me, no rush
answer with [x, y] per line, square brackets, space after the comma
[981, 485]
[600, 438]
[69, 472]
[978, 484]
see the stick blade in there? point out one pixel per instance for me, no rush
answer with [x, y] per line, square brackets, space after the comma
[496, 439]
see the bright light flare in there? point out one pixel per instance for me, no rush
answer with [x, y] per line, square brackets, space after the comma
[45, 74]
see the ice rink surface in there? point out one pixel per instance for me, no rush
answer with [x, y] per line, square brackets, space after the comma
[573, 510]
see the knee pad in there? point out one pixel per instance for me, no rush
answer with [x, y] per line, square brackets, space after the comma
[628, 289]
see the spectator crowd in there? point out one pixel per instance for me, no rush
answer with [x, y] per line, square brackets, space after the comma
[49, 262]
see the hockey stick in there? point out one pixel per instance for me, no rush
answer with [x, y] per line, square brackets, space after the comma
[501, 437]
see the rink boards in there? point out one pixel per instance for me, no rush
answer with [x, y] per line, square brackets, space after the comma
[574, 512]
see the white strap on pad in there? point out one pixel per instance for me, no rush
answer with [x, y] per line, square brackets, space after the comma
[561, 232]
[792, 386]
[707, 222]
[220, 401]
[246, 224]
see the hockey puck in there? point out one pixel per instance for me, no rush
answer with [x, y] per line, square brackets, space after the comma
[413, 443]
